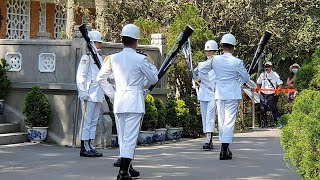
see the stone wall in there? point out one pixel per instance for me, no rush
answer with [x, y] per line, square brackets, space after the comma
[52, 65]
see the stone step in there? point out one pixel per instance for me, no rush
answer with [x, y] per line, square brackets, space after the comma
[13, 138]
[2, 118]
[9, 128]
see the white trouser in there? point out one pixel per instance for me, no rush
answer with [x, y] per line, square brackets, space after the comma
[91, 119]
[128, 127]
[208, 113]
[227, 115]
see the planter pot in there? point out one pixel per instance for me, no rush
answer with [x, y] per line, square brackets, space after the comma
[1, 106]
[174, 133]
[145, 137]
[160, 135]
[114, 140]
[37, 134]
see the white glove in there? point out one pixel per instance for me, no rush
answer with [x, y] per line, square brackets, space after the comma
[84, 98]
[146, 92]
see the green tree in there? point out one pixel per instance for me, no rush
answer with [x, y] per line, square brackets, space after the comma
[147, 27]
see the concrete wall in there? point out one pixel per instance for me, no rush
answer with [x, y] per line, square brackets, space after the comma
[59, 86]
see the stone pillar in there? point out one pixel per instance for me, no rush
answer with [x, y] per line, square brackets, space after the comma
[34, 19]
[3, 17]
[160, 41]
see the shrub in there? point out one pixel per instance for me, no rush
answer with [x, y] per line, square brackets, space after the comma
[300, 138]
[151, 115]
[161, 123]
[5, 83]
[192, 127]
[171, 113]
[36, 109]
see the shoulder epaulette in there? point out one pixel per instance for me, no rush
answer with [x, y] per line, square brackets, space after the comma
[141, 52]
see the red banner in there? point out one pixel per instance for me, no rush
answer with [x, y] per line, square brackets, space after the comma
[277, 90]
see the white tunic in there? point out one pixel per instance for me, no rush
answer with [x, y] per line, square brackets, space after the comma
[130, 70]
[207, 76]
[87, 84]
[230, 74]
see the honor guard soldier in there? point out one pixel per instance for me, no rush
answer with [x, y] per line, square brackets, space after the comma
[206, 75]
[130, 70]
[270, 81]
[91, 97]
[230, 73]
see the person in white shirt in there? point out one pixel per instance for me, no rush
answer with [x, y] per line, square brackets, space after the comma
[230, 74]
[206, 75]
[91, 97]
[271, 81]
[130, 69]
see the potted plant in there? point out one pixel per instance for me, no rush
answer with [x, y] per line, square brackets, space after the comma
[161, 130]
[173, 129]
[37, 111]
[149, 122]
[5, 83]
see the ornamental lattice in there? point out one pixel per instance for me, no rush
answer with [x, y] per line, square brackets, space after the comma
[60, 21]
[42, 18]
[18, 22]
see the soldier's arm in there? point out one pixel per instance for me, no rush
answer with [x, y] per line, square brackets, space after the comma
[103, 75]
[244, 75]
[82, 74]
[196, 74]
[149, 70]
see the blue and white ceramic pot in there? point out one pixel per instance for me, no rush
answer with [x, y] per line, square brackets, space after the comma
[37, 134]
[145, 137]
[160, 135]
[174, 133]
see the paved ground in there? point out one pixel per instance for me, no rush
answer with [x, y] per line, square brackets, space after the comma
[257, 155]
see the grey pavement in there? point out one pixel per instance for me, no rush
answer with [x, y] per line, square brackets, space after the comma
[257, 155]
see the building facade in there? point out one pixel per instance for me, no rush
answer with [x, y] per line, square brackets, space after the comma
[31, 19]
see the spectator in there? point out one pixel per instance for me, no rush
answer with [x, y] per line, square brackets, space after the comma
[290, 82]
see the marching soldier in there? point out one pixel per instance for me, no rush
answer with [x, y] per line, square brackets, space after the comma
[130, 70]
[269, 99]
[91, 97]
[230, 74]
[206, 75]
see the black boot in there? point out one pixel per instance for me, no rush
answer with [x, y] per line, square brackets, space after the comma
[94, 151]
[84, 152]
[124, 175]
[124, 169]
[208, 146]
[117, 163]
[133, 172]
[225, 153]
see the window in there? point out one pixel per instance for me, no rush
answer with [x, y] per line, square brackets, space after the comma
[18, 22]
[42, 18]
[60, 21]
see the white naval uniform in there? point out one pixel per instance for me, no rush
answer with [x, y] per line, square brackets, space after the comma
[89, 91]
[230, 74]
[130, 70]
[207, 76]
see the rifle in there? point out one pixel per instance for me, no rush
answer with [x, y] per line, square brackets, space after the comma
[168, 61]
[257, 56]
[188, 56]
[93, 51]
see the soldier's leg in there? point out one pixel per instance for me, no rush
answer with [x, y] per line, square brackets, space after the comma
[231, 112]
[120, 129]
[210, 121]
[129, 138]
[85, 136]
[93, 127]
[263, 110]
[221, 116]
[203, 108]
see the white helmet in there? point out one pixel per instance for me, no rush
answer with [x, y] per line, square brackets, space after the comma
[211, 45]
[228, 39]
[95, 36]
[131, 30]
